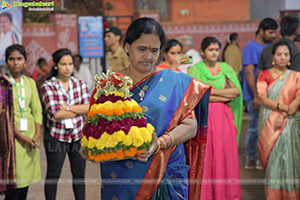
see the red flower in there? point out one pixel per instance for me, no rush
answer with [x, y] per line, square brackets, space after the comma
[105, 25]
[119, 74]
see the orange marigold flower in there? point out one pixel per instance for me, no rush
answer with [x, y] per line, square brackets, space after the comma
[113, 155]
[132, 152]
[141, 151]
[127, 109]
[108, 112]
[89, 115]
[118, 111]
[120, 154]
[136, 109]
[101, 110]
[98, 158]
[90, 155]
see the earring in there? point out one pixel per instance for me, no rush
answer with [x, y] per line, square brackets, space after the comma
[165, 56]
[25, 65]
[273, 63]
[126, 50]
[55, 68]
[289, 63]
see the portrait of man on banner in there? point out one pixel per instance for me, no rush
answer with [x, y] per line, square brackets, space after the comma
[10, 27]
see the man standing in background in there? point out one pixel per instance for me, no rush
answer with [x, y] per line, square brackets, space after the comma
[83, 72]
[265, 34]
[187, 49]
[116, 57]
[288, 31]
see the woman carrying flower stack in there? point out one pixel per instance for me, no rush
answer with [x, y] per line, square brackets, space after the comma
[115, 128]
[173, 103]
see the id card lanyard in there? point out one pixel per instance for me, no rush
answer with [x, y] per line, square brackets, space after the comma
[23, 122]
[69, 95]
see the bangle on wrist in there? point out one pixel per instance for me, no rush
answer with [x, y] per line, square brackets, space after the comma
[22, 137]
[163, 143]
[278, 106]
[171, 139]
[167, 142]
[158, 148]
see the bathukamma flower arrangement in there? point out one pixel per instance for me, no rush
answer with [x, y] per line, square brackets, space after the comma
[115, 127]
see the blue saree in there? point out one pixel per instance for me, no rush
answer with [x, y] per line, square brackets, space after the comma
[171, 97]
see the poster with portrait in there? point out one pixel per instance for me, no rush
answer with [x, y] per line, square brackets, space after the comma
[10, 27]
[90, 30]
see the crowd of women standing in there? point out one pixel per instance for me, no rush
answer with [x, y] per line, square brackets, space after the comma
[199, 114]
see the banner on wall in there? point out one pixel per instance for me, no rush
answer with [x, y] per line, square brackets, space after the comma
[90, 31]
[10, 27]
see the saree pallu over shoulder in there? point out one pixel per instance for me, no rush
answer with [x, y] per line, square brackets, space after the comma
[171, 97]
[7, 137]
[200, 72]
[283, 92]
[280, 149]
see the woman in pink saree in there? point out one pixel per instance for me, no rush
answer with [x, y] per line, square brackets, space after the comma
[279, 123]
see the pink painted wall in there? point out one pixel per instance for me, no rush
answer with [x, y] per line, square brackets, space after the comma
[41, 40]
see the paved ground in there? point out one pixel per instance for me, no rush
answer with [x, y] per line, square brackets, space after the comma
[250, 191]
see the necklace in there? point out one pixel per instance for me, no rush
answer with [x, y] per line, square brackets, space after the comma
[280, 75]
[145, 87]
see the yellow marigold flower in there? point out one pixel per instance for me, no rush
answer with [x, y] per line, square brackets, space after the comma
[83, 141]
[108, 105]
[119, 135]
[108, 93]
[127, 140]
[146, 135]
[100, 105]
[94, 106]
[110, 142]
[134, 103]
[138, 141]
[150, 128]
[104, 136]
[118, 111]
[117, 93]
[129, 103]
[119, 104]
[91, 142]
[100, 144]
[95, 96]
[134, 132]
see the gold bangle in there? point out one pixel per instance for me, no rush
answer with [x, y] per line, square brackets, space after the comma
[171, 139]
[167, 142]
[158, 148]
[163, 146]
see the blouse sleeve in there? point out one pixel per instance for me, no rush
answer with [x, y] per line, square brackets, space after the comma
[35, 103]
[262, 85]
[298, 84]
[84, 93]
[50, 101]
